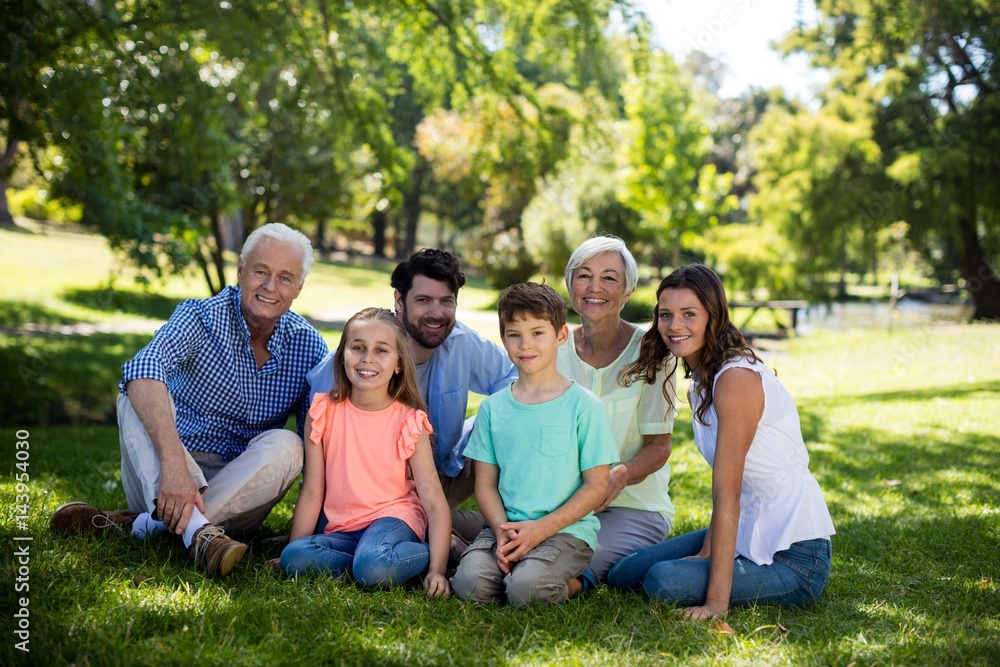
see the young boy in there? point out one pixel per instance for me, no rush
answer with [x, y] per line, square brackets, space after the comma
[542, 448]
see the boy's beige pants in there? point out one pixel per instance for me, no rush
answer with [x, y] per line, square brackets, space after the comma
[238, 494]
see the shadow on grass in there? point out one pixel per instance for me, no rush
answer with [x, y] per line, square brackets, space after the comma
[954, 391]
[63, 379]
[106, 299]
[924, 583]
[15, 314]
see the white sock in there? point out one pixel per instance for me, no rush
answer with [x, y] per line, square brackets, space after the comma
[145, 526]
[196, 521]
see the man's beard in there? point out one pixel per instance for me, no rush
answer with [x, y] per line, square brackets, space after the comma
[427, 339]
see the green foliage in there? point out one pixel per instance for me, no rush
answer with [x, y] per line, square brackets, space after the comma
[752, 257]
[815, 173]
[639, 310]
[922, 76]
[668, 181]
[580, 199]
[497, 151]
[33, 202]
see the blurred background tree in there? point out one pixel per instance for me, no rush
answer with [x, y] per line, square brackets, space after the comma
[508, 132]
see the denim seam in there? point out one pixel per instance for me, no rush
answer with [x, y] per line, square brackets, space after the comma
[390, 555]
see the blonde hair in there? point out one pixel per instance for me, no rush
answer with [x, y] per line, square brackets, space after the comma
[403, 386]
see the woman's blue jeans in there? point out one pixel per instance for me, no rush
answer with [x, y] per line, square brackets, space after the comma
[797, 575]
[384, 554]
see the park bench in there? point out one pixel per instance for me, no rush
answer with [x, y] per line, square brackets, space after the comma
[792, 307]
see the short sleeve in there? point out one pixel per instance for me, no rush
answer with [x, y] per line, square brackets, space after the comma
[320, 413]
[481, 441]
[595, 435]
[656, 412]
[414, 423]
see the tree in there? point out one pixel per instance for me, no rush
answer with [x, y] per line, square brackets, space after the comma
[162, 119]
[814, 173]
[498, 152]
[928, 72]
[34, 35]
[668, 179]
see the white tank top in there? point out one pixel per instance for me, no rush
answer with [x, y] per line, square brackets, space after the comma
[780, 502]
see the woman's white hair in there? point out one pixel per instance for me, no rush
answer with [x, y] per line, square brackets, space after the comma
[598, 245]
[280, 232]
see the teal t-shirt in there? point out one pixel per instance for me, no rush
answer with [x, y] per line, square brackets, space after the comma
[541, 451]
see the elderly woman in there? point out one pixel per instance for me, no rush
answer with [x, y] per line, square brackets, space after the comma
[601, 276]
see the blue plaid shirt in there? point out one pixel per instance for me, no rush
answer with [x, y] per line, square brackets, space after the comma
[223, 400]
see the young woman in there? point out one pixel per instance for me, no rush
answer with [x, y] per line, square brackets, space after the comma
[768, 539]
[369, 467]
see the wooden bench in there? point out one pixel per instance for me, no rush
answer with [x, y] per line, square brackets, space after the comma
[792, 307]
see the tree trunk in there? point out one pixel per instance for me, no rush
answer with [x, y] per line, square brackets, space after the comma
[319, 239]
[379, 223]
[5, 217]
[412, 205]
[6, 165]
[397, 237]
[217, 259]
[199, 258]
[842, 283]
[980, 278]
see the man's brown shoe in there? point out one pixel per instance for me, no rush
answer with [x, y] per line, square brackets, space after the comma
[83, 519]
[214, 552]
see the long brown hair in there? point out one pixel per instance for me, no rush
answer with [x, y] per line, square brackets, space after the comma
[403, 386]
[723, 341]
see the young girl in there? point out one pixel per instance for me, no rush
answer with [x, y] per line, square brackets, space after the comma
[769, 536]
[369, 468]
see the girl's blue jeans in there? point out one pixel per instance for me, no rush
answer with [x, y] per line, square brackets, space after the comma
[384, 554]
[798, 574]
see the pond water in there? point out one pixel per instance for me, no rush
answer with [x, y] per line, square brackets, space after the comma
[879, 315]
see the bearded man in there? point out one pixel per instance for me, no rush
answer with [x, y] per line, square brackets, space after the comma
[451, 359]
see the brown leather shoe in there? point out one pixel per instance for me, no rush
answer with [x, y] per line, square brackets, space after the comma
[214, 552]
[83, 519]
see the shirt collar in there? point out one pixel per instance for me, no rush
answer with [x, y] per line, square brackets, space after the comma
[274, 342]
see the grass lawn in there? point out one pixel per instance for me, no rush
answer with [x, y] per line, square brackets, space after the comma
[902, 429]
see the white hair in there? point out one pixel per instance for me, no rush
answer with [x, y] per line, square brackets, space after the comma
[598, 245]
[280, 232]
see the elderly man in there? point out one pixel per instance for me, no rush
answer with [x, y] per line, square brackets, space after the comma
[202, 409]
[452, 360]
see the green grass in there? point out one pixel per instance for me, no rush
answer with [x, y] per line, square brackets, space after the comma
[903, 434]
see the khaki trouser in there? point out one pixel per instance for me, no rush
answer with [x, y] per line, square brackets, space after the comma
[238, 494]
[538, 578]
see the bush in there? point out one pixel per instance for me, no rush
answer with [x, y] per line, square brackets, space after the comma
[750, 257]
[505, 261]
[33, 202]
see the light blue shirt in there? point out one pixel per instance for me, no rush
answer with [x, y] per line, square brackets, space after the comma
[464, 362]
[542, 451]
